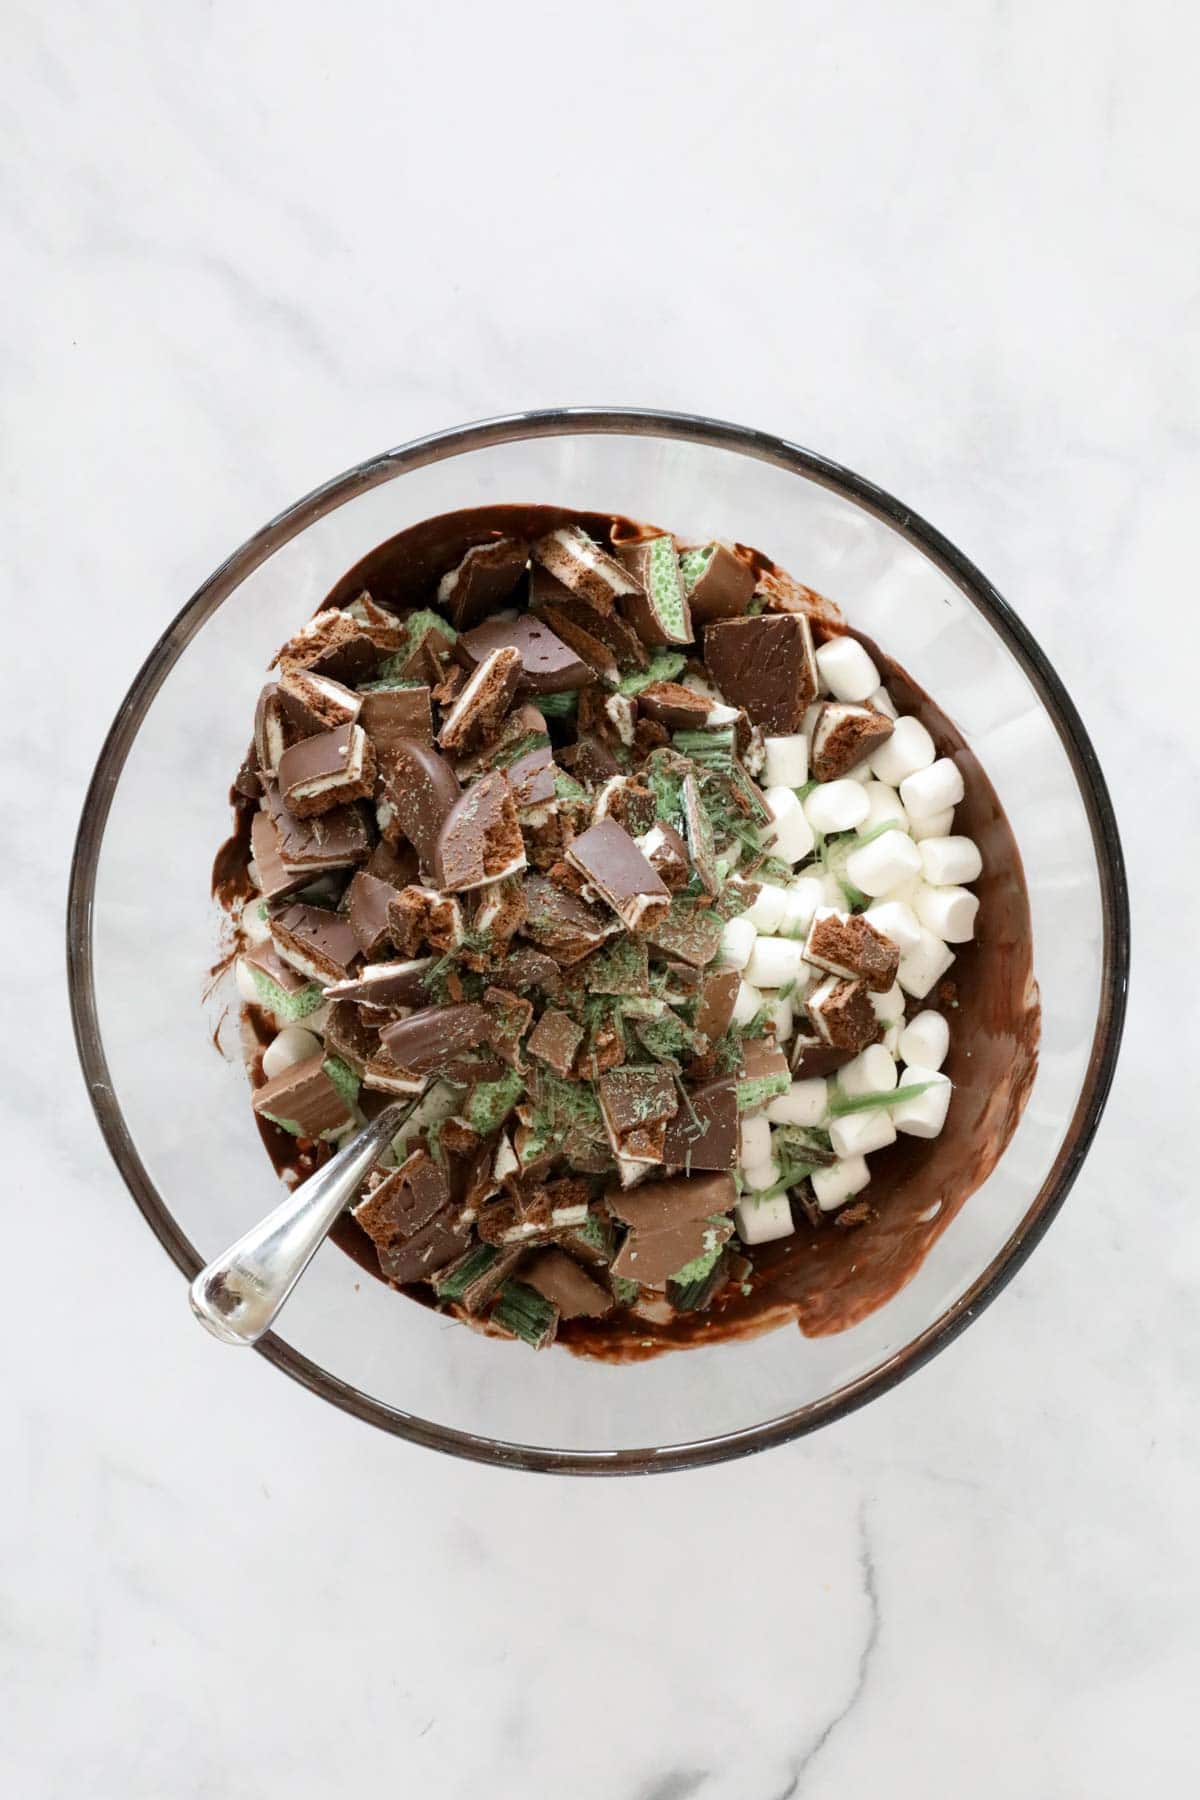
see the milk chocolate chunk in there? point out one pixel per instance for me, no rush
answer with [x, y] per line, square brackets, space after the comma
[307, 695]
[332, 643]
[766, 665]
[397, 715]
[689, 931]
[672, 1222]
[274, 877]
[704, 1134]
[576, 560]
[396, 864]
[419, 916]
[425, 657]
[385, 630]
[531, 779]
[667, 855]
[350, 1036]
[610, 860]
[583, 626]
[304, 1101]
[589, 648]
[700, 839]
[267, 961]
[627, 800]
[397, 1204]
[718, 994]
[509, 1018]
[367, 900]
[317, 942]
[386, 984]
[432, 1248]
[562, 923]
[850, 946]
[482, 581]
[555, 1040]
[326, 771]
[489, 692]
[548, 665]
[844, 736]
[677, 707]
[559, 1279]
[657, 608]
[273, 731]
[418, 791]
[480, 839]
[812, 1057]
[842, 1014]
[433, 1037]
[528, 970]
[635, 1104]
[719, 584]
[764, 1074]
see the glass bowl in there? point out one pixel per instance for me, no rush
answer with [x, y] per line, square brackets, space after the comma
[143, 934]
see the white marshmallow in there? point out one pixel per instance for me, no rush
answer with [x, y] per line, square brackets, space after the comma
[882, 701]
[933, 789]
[909, 748]
[746, 1004]
[737, 942]
[840, 1182]
[767, 910]
[846, 669]
[791, 837]
[293, 1045]
[781, 1015]
[889, 1007]
[256, 928]
[858, 1134]
[762, 1221]
[925, 1040]
[720, 714]
[798, 908]
[860, 774]
[837, 806]
[898, 922]
[758, 1176]
[774, 962]
[883, 864]
[951, 861]
[883, 804]
[921, 969]
[937, 825]
[871, 1072]
[949, 912]
[754, 1142]
[786, 761]
[891, 1038]
[245, 982]
[924, 1116]
[805, 1103]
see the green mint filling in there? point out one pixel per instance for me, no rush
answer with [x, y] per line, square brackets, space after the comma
[854, 1103]
[664, 667]
[756, 1090]
[286, 1006]
[704, 1263]
[802, 793]
[392, 686]
[284, 1124]
[559, 706]
[665, 590]
[343, 1078]
[453, 1282]
[625, 1292]
[523, 1311]
[524, 746]
[710, 749]
[757, 604]
[491, 1102]
[567, 791]
[693, 563]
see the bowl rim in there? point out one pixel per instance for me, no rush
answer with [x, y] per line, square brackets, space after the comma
[760, 446]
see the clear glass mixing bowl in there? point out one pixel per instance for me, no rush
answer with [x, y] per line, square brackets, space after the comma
[142, 933]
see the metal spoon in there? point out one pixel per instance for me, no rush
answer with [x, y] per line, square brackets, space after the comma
[239, 1295]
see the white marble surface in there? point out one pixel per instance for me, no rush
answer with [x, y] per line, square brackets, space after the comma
[951, 244]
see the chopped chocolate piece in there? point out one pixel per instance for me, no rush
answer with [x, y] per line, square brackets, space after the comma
[524, 1313]
[317, 942]
[327, 771]
[509, 1018]
[555, 1040]
[765, 664]
[842, 1014]
[661, 1205]
[559, 1279]
[424, 655]
[704, 1132]
[590, 759]
[849, 945]
[610, 860]
[622, 968]
[635, 1104]
[305, 695]
[628, 801]
[763, 1076]
[483, 702]
[429, 1039]
[719, 584]
[397, 715]
[499, 915]
[548, 665]
[274, 878]
[811, 1058]
[394, 863]
[477, 1275]
[527, 969]
[532, 779]
[678, 708]
[432, 1248]
[596, 655]
[282, 989]
[562, 923]
[718, 993]
[403, 1200]
[844, 736]
[273, 730]
[385, 630]
[480, 839]
[483, 580]
[667, 855]
[349, 1036]
[690, 931]
[420, 915]
[418, 791]
[576, 560]
[652, 1258]
[700, 840]
[332, 643]
[367, 901]
[657, 607]
[304, 1101]
[386, 984]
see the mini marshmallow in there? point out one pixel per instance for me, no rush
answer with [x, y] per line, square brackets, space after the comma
[923, 967]
[761, 1175]
[774, 962]
[846, 669]
[737, 942]
[781, 1015]
[767, 910]
[798, 909]
[897, 921]
[883, 804]
[791, 837]
[754, 1142]
[245, 982]
[951, 861]
[862, 774]
[256, 928]
[871, 1072]
[762, 1221]
[858, 1134]
[925, 1040]
[889, 1007]
[891, 1038]
[747, 1003]
[836, 806]
[882, 701]
[840, 1182]
[924, 1116]
[805, 1103]
[933, 789]
[883, 864]
[909, 748]
[293, 1045]
[949, 912]
[786, 763]
[937, 825]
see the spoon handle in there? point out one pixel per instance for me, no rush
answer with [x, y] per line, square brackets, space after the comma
[239, 1294]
